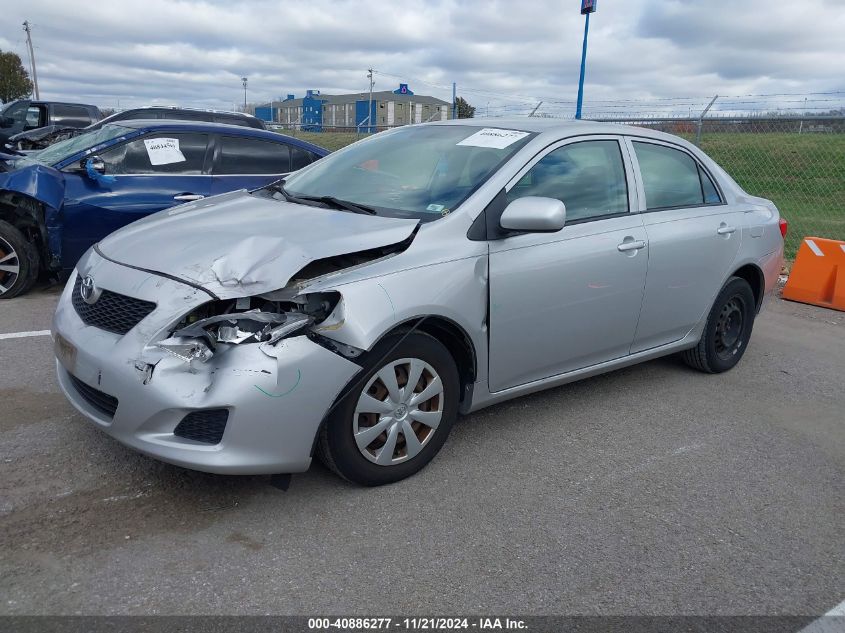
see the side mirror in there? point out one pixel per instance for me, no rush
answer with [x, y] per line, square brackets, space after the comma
[533, 214]
[93, 163]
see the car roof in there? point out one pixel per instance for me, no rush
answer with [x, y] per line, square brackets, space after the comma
[160, 108]
[70, 103]
[153, 125]
[560, 127]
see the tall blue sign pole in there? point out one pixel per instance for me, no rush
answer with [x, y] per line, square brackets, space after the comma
[587, 7]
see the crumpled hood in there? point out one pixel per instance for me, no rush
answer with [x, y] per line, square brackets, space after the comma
[238, 244]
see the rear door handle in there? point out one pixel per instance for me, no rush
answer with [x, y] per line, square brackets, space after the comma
[188, 197]
[724, 229]
[631, 246]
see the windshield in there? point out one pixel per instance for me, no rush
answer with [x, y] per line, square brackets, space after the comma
[423, 172]
[65, 149]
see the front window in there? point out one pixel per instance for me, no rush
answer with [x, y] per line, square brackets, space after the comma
[17, 112]
[63, 150]
[588, 177]
[179, 153]
[422, 172]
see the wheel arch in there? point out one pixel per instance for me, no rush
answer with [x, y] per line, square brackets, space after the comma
[755, 278]
[28, 215]
[454, 338]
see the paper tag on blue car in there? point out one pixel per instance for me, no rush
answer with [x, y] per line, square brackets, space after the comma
[493, 138]
[163, 151]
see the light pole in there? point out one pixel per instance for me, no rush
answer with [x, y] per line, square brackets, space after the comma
[244, 80]
[587, 7]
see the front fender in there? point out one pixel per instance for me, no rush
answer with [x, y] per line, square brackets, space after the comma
[47, 186]
[39, 182]
[370, 308]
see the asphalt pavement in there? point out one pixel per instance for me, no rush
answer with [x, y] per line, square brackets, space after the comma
[652, 490]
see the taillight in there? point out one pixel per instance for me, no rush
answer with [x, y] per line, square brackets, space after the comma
[784, 227]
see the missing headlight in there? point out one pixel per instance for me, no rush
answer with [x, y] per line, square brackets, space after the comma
[249, 320]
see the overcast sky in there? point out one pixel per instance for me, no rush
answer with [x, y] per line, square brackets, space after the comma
[193, 53]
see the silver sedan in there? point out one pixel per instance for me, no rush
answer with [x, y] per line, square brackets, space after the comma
[354, 309]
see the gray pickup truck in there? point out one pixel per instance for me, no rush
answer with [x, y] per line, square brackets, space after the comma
[19, 116]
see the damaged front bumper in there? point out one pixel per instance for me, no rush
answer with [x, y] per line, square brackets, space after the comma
[274, 397]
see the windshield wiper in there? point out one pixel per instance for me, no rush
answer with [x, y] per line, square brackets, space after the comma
[329, 201]
[341, 204]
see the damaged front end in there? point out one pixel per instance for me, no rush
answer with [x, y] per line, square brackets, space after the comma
[214, 326]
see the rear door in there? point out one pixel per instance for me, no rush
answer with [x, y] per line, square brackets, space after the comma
[242, 162]
[151, 173]
[693, 235]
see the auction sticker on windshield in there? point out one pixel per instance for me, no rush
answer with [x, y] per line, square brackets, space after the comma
[163, 151]
[493, 138]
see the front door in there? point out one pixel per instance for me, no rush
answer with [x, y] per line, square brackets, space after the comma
[151, 173]
[571, 299]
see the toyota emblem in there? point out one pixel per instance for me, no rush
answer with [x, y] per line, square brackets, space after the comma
[88, 290]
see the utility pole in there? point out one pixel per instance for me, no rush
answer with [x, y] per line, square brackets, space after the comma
[587, 7]
[454, 100]
[244, 80]
[370, 102]
[27, 29]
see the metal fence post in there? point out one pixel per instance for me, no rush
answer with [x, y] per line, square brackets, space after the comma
[701, 121]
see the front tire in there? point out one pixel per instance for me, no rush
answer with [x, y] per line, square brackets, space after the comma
[728, 329]
[395, 416]
[18, 262]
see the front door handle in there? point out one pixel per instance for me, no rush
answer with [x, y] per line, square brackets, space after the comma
[188, 197]
[724, 229]
[633, 245]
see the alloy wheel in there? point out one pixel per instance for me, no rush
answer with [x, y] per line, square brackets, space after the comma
[398, 411]
[10, 266]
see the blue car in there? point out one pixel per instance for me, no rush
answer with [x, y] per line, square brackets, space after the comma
[56, 203]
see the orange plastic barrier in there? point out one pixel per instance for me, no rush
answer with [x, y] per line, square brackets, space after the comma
[818, 275]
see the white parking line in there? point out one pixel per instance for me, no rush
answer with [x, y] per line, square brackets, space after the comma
[827, 623]
[25, 334]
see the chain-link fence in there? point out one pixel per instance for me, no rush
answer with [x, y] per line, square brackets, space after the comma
[797, 162]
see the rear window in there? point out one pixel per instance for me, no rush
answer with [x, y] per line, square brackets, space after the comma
[252, 156]
[672, 178]
[72, 115]
[232, 120]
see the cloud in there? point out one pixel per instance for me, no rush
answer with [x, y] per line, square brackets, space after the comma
[507, 54]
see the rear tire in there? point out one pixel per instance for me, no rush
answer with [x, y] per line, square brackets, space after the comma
[18, 262]
[728, 329]
[410, 423]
